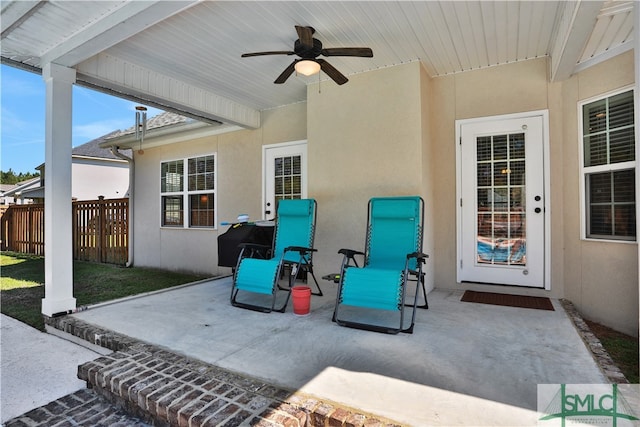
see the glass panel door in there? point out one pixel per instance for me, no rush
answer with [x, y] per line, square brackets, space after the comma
[501, 214]
[285, 174]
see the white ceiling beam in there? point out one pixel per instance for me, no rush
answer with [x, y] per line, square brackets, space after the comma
[610, 53]
[572, 33]
[124, 22]
[115, 75]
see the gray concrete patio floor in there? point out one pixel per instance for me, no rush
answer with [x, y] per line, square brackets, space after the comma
[465, 363]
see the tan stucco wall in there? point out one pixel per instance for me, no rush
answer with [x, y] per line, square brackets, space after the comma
[392, 132]
[364, 140]
[154, 246]
[239, 161]
[601, 277]
[507, 89]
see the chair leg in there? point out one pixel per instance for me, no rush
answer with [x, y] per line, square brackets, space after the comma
[310, 270]
[424, 292]
[419, 282]
[409, 330]
[284, 305]
[293, 278]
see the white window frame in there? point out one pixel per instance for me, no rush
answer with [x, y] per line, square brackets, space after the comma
[185, 193]
[584, 171]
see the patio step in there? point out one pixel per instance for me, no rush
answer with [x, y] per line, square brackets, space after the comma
[156, 386]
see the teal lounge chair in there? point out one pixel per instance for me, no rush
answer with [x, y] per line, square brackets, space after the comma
[372, 297]
[256, 279]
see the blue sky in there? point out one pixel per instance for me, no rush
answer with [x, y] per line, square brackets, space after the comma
[22, 99]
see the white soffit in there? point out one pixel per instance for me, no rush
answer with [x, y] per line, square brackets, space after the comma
[611, 36]
[123, 22]
[185, 55]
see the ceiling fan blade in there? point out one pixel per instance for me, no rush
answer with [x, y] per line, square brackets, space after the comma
[286, 73]
[305, 34]
[348, 51]
[330, 71]
[273, 52]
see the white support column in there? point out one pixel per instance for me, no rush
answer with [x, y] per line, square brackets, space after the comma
[58, 243]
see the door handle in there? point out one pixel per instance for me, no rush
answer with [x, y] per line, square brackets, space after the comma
[537, 210]
[267, 212]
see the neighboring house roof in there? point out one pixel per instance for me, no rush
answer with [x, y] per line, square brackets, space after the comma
[89, 149]
[22, 186]
[161, 120]
[6, 187]
[166, 128]
[92, 148]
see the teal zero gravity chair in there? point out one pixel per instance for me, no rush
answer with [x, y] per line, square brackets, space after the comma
[393, 257]
[256, 277]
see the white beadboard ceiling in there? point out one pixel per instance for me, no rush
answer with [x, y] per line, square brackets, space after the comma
[185, 55]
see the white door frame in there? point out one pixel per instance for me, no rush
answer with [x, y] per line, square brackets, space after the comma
[290, 144]
[547, 185]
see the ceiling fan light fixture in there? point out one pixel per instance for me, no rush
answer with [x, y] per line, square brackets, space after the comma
[307, 67]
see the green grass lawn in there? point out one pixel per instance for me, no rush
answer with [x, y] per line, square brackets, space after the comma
[22, 284]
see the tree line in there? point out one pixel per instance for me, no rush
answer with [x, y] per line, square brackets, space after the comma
[10, 177]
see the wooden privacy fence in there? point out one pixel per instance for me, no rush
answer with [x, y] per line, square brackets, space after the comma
[23, 229]
[100, 230]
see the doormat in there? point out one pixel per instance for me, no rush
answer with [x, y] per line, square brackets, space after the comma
[539, 303]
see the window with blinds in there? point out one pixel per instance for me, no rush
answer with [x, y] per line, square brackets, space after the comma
[609, 167]
[198, 195]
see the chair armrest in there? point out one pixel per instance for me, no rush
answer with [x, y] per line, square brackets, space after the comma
[300, 249]
[350, 253]
[419, 256]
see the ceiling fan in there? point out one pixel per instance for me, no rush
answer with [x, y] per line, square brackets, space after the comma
[308, 49]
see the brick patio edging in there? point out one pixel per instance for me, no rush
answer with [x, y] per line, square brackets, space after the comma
[82, 408]
[601, 356]
[168, 389]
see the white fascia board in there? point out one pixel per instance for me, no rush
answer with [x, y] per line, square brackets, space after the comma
[113, 74]
[618, 50]
[572, 33]
[33, 193]
[170, 135]
[96, 159]
[124, 22]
